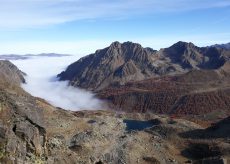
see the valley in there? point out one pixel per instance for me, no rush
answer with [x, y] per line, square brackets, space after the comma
[177, 115]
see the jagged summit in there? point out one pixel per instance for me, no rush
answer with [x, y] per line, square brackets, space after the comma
[183, 44]
[123, 62]
[118, 63]
[223, 46]
[190, 56]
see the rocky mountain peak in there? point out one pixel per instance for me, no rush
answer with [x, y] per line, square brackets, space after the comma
[118, 45]
[125, 47]
[123, 62]
[190, 56]
[115, 44]
[182, 44]
[180, 48]
[103, 67]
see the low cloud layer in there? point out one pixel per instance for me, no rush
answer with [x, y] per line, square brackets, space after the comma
[41, 82]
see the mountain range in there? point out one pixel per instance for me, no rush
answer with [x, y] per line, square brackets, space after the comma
[224, 46]
[33, 131]
[182, 80]
[122, 63]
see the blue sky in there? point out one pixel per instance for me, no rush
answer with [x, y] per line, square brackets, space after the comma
[82, 26]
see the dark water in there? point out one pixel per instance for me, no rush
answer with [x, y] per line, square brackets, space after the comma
[139, 125]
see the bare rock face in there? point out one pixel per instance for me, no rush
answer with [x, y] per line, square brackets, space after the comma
[21, 120]
[182, 79]
[189, 56]
[122, 63]
[117, 63]
[10, 73]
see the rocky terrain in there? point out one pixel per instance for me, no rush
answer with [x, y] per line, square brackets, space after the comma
[180, 80]
[10, 74]
[21, 120]
[33, 131]
[122, 63]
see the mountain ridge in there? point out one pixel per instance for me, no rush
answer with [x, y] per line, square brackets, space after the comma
[224, 46]
[10, 73]
[177, 80]
[123, 62]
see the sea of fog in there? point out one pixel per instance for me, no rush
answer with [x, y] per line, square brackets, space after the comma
[41, 82]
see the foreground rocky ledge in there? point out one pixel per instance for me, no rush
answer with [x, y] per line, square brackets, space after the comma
[37, 132]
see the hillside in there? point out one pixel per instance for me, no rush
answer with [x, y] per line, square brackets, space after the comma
[196, 92]
[182, 80]
[10, 73]
[33, 131]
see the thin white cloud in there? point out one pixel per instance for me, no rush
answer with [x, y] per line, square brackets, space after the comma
[38, 13]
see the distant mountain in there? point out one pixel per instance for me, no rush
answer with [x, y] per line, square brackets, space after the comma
[13, 57]
[189, 56]
[48, 55]
[223, 46]
[27, 56]
[122, 63]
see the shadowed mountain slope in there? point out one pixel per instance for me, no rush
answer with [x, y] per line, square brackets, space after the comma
[195, 92]
[223, 46]
[122, 63]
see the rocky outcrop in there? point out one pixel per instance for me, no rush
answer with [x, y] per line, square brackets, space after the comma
[103, 137]
[23, 133]
[122, 63]
[10, 73]
[117, 63]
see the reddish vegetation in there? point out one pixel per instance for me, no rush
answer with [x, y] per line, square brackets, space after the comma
[202, 103]
[177, 95]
